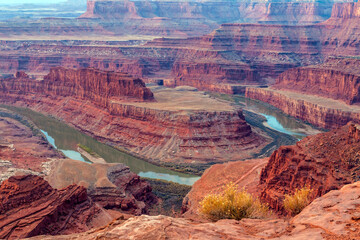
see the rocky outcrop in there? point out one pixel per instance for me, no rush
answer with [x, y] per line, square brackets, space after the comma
[245, 174]
[337, 79]
[29, 206]
[111, 186]
[333, 216]
[181, 126]
[323, 162]
[322, 112]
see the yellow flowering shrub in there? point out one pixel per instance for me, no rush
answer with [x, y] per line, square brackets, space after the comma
[295, 203]
[232, 204]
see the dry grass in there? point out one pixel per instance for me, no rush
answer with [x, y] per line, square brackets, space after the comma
[295, 203]
[232, 204]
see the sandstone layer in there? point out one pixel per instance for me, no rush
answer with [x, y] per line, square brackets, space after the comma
[319, 111]
[179, 126]
[29, 206]
[336, 79]
[333, 216]
[324, 162]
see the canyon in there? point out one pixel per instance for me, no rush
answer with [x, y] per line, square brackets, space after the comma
[136, 74]
[233, 55]
[170, 125]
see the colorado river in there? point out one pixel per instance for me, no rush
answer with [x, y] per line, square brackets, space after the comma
[276, 119]
[66, 139]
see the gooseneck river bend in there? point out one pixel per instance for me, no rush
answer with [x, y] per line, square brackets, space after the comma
[66, 139]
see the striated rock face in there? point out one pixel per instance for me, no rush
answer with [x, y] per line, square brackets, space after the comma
[324, 162]
[181, 126]
[337, 79]
[322, 112]
[208, 76]
[29, 206]
[87, 83]
[216, 11]
[345, 11]
[333, 216]
[111, 186]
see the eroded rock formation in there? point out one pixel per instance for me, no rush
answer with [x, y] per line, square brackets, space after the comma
[111, 186]
[337, 79]
[29, 206]
[180, 126]
[323, 162]
[91, 84]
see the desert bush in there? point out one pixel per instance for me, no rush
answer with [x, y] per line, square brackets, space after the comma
[295, 203]
[232, 204]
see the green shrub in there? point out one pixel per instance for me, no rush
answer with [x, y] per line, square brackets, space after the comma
[232, 204]
[295, 203]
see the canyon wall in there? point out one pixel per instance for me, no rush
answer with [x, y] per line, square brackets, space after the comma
[336, 79]
[29, 206]
[215, 11]
[323, 162]
[324, 113]
[91, 84]
[146, 129]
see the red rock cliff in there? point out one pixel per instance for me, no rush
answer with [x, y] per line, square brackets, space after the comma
[337, 79]
[29, 206]
[324, 162]
[94, 84]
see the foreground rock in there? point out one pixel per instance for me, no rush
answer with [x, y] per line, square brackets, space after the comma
[333, 216]
[324, 162]
[177, 127]
[29, 206]
[111, 186]
[245, 174]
